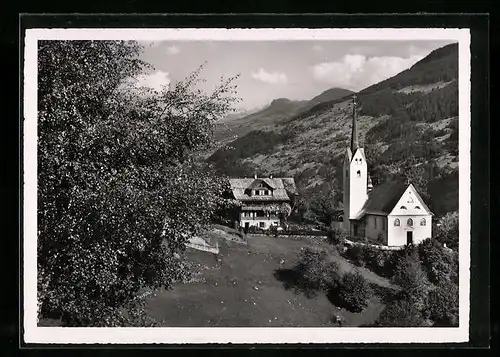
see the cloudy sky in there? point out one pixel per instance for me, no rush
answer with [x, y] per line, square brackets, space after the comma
[283, 69]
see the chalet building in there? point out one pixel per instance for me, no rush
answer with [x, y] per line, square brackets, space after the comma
[391, 214]
[262, 200]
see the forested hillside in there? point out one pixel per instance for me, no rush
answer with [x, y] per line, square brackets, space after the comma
[408, 125]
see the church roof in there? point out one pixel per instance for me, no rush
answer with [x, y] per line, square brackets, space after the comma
[383, 198]
[350, 154]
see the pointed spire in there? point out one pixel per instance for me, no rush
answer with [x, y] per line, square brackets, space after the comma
[354, 135]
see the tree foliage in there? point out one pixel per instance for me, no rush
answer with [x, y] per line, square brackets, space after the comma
[443, 304]
[400, 313]
[410, 277]
[119, 193]
[446, 230]
[355, 291]
[322, 209]
[437, 262]
[317, 269]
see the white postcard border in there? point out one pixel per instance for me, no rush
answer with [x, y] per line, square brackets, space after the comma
[182, 335]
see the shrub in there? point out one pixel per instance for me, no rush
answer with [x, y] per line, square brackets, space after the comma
[355, 291]
[447, 230]
[443, 304]
[317, 269]
[355, 254]
[409, 275]
[400, 313]
[378, 260]
[436, 261]
[337, 236]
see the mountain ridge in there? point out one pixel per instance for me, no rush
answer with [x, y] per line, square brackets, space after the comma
[407, 121]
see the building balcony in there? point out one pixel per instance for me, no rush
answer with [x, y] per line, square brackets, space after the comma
[263, 218]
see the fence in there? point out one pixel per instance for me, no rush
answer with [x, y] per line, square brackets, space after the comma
[301, 233]
[201, 244]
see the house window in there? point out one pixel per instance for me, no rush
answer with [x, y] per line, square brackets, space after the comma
[402, 207]
[266, 192]
[397, 222]
[423, 222]
[257, 192]
[261, 224]
[410, 222]
[358, 173]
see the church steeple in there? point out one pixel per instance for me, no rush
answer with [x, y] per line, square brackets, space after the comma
[354, 134]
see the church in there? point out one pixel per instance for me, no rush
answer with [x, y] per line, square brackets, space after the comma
[391, 214]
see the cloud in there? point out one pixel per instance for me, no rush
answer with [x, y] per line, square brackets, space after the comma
[358, 71]
[173, 50]
[317, 48]
[156, 80]
[274, 77]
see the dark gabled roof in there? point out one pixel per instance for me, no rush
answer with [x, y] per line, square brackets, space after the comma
[279, 186]
[383, 198]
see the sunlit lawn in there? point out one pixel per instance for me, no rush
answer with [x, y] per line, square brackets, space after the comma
[242, 290]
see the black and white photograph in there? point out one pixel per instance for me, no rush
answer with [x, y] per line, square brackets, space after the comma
[246, 185]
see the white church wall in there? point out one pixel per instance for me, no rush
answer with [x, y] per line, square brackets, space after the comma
[408, 207]
[397, 234]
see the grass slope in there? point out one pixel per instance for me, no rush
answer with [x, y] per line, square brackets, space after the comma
[243, 290]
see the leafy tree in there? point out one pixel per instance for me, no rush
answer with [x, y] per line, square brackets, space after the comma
[119, 193]
[317, 269]
[322, 209]
[400, 313]
[412, 280]
[355, 291]
[436, 261]
[446, 230]
[443, 304]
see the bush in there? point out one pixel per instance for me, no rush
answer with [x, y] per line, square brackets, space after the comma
[317, 269]
[355, 291]
[409, 275]
[337, 236]
[355, 254]
[447, 230]
[443, 304]
[377, 260]
[436, 261]
[400, 313]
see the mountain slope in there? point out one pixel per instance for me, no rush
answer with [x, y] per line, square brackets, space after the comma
[278, 111]
[409, 120]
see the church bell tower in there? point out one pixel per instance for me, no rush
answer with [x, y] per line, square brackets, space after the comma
[355, 175]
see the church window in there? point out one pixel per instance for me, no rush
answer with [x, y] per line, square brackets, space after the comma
[397, 223]
[347, 173]
[374, 222]
[402, 207]
[417, 207]
[358, 173]
[410, 222]
[423, 222]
